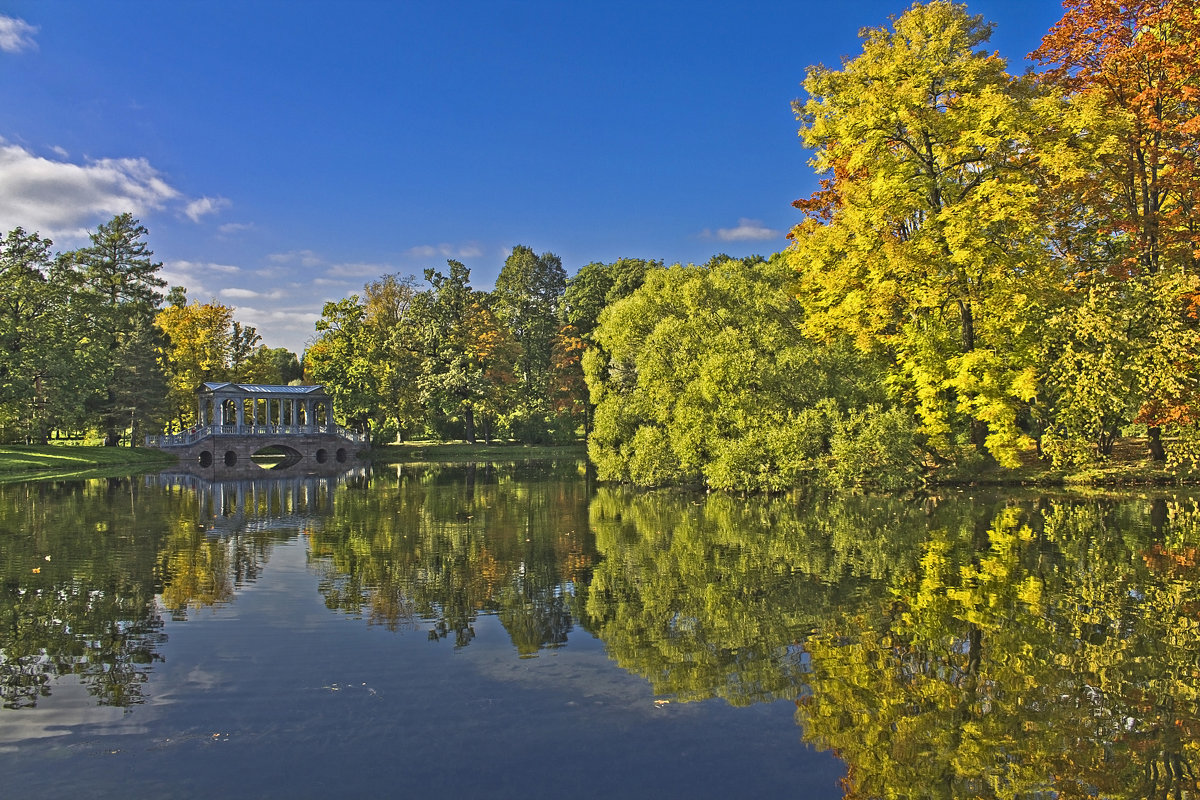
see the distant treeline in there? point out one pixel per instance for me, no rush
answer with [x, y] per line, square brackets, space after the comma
[454, 362]
[88, 348]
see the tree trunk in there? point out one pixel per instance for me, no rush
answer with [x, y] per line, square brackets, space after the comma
[979, 429]
[1157, 452]
[470, 423]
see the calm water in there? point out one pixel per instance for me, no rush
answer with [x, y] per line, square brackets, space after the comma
[515, 631]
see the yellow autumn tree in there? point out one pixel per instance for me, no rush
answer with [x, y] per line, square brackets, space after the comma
[200, 337]
[924, 242]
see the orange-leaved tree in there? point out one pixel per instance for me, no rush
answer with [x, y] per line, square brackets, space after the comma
[1136, 66]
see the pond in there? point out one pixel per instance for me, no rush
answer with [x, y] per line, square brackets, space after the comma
[498, 630]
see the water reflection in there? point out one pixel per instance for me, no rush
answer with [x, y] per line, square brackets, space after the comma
[954, 647]
[959, 647]
[1056, 652]
[77, 600]
[226, 538]
[434, 546]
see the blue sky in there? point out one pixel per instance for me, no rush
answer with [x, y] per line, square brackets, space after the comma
[282, 154]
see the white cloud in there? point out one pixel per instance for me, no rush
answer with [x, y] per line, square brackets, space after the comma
[62, 200]
[203, 206]
[282, 326]
[195, 276]
[310, 260]
[747, 230]
[202, 266]
[235, 227]
[16, 35]
[304, 258]
[468, 250]
[249, 294]
[362, 270]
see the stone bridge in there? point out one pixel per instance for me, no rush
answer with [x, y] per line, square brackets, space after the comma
[238, 421]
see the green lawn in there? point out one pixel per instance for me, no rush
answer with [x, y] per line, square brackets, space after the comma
[35, 459]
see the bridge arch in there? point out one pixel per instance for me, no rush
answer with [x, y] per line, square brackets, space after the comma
[277, 456]
[238, 421]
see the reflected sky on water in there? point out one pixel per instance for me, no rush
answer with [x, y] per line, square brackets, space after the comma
[514, 630]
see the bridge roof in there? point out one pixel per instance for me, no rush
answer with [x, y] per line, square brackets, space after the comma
[261, 389]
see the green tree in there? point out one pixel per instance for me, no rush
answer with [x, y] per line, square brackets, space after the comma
[1131, 72]
[592, 289]
[394, 347]
[286, 365]
[42, 368]
[527, 298]
[467, 356]
[703, 374]
[924, 241]
[338, 359]
[368, 353]
[596, 286]
[120, 286]
[244, 343]
[200, 340]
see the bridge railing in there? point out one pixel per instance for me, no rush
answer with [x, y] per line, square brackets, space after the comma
[198, 432]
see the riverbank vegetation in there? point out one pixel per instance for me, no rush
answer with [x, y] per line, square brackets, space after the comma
[994, 267]
[434, 452]
[998, 279]
[18, 461]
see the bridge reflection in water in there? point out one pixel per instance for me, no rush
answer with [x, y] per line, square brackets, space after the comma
[257, 500]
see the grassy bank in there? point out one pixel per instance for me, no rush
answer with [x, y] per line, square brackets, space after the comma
[17, 461]
[1128, 465]
[451, 452]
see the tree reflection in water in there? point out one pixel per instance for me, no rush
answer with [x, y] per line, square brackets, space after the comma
[89, 567]
[1059, 655]
[435, 546]
[944, 648]
[75, 600]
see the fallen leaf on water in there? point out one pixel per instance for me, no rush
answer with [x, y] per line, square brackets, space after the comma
[36, 570]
